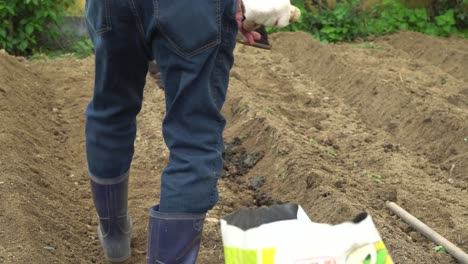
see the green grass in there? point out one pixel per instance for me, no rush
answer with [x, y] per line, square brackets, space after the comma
[374, 176]
[268, 110]
[312, 141]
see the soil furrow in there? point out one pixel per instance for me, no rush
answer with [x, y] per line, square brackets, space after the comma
[389, 96]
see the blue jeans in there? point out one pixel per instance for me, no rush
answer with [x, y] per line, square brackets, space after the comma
[192, 42]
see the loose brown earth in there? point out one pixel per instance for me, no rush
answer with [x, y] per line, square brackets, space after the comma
[338, 129]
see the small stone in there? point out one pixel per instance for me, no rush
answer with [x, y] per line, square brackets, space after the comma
[388, 194]
[256, 183]
[250, 160]
[393, 125]
[212, 220]
[427, 119]
[54, 109]
[139, 252]
[49, 248]
[451, 181]
[339, 184]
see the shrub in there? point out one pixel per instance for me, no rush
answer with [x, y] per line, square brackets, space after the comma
[23, 22]
[391, 16]
[348, 21]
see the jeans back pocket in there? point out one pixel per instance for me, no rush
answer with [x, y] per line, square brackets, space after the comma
[190, 26]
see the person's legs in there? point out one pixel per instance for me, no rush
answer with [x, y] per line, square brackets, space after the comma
[194, 50]
[193, 45]
[195, 77]
[121, 66]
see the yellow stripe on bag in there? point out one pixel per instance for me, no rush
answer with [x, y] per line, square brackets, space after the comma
[248, 256]
[268, 256]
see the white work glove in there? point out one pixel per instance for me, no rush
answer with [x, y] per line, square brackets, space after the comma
[251, 14]
[267, 12]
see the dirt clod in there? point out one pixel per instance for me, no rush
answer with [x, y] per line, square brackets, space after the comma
[256, 183]
[237, 162]
[262, 199]
[388, 147]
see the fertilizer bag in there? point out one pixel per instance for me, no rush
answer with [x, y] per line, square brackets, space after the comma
[284, 234]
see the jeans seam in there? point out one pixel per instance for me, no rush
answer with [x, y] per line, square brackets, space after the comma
[107, 16]
[232, 15]
[139, 25]
[218, 21]
[215, 176]
[155, 13]
[185, 53]
[100, 31]
[219, 133]
[137, 18]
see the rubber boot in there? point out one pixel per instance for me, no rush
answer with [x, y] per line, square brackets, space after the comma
[173, 238]
[115, 226]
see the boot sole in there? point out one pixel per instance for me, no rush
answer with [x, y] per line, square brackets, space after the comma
[125, 261]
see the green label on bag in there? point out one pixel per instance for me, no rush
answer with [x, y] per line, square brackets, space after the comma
[248, 256]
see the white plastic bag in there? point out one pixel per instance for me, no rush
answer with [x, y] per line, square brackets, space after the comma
[284, 234]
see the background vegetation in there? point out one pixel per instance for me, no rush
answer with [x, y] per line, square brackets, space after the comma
[24, 23]
[348, 20]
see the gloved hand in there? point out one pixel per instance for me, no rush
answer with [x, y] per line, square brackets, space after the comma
[253, 13]
[267, 12]
[250, 35]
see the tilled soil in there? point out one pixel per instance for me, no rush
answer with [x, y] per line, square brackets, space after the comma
[339, 129]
